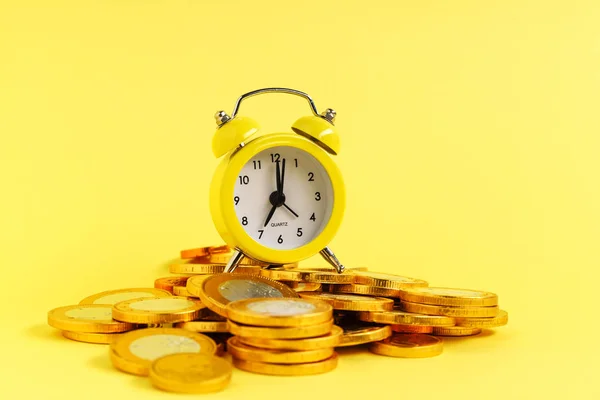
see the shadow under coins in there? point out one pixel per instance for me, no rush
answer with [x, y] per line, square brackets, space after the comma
[43, 332]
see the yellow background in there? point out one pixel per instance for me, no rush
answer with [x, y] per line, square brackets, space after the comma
[471, 138]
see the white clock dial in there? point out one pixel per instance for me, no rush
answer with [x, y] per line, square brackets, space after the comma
[294, 219]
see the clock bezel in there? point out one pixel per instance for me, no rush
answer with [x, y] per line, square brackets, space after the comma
[223, 209]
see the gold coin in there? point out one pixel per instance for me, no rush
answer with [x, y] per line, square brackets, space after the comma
[182, 291]
[304, 286]
[279, 312]
[167, 283]
[351, 302]
[299, 332]
[204, 251]
[87, 337]
[331, 269]
[450, 311]
[308, 275]
[115, 296]
[216, 291]
[203, 326]
[357, 334]
[92, 318]
[282, 274]
[208, 269]
[134, 351]
[223, 258]
[449, 296]
[330, 340]
[319, 367]
[455, 331]
[412, 328]
[244, 352]
[389, 281]
[398, 317]
[408, 345]
[190, 373]
[493, 322]
[158, 310]
[364, 290]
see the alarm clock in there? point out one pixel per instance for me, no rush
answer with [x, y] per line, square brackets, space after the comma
[277, 197]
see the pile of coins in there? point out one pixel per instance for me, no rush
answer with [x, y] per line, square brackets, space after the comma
[277, 320]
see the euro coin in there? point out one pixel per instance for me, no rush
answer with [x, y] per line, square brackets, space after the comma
[351, 302]
[92, 318]
[304, 286]
[282, 274]
[281, 312]
[322, 342]
[319, 367]
[209, 269]
[412, 328]
[389, 281]
[449, 297]
[357, 334]
[88, 337]
[299, 332]
[455, 331]
[134, 351]
[116, 296]
[408, 345]
[167, 283]
[204, 251]
[493, 322]
[364, 290]
[450, 311]
[158, 310]
[397, 317]
[243, 352]
[190, 373]
[325, 277]
[203, 326]
[216, 291]
[182, 291]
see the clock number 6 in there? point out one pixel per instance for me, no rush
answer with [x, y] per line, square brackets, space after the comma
[280, 239]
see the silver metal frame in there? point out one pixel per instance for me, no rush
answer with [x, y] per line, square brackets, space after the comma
[294, 92]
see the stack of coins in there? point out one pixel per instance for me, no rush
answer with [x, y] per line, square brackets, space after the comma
[276, 336]
[286, 320]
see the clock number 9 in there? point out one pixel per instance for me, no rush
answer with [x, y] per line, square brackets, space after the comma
[236, 199]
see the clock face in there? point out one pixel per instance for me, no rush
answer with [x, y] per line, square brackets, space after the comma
[289, 217]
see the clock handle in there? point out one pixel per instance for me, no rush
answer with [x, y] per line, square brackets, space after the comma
[294, 92]
[332, 259]
[234, 261]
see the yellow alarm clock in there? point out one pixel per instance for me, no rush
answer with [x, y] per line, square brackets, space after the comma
[277, 198]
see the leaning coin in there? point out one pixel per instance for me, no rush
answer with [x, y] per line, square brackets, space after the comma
[216, 291]
[357, 334]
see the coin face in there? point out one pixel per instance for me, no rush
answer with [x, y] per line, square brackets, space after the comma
[281, 307]
[239, 289]
[117, 296]
[94, 314]
[190, 373]
[164, 304]
[155, 346]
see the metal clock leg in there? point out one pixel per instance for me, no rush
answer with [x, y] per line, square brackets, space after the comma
[332, 259]
[234, 261]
